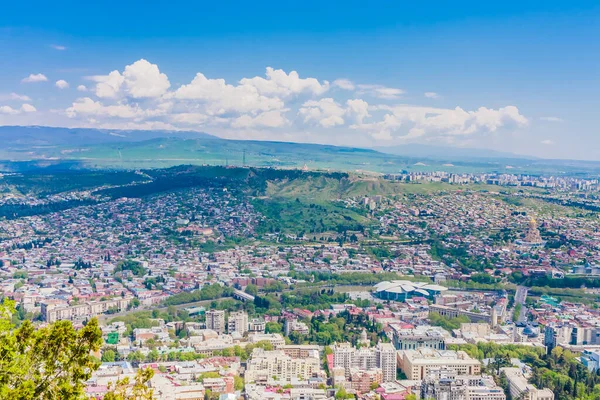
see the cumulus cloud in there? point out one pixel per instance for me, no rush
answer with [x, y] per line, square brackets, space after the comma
[220, 97]
[139, 80]
[431, 95]
[58, 47]
[14, 97]
[279, 83]
[420, 121]
[88, 107]
[359, 108]
[325, 112]
[140, 95]
[344, 84]
[32, 78]
[25, 108]
[61, 84]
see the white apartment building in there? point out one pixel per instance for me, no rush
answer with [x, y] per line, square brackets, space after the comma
[382, 356]
[238, 322]
[417, 364]
[275, 365]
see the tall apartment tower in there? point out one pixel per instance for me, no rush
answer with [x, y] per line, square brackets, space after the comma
[215, 320]
[386, 357]
[238, 322]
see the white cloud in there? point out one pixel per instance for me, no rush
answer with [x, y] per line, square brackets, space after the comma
[32, 78]
[108, 86]
[380, 92]
[359, 108]
[268, 119]
[547, 142]
[139, 80]
[61, 84]
[14, 96]
[258, 107]
[278, 83]
[325, 112]
[221, 98]
[344, 84]
[8, 110]
[89, 107]
[552, 119]
[431, 95]
[82, 88]
[420, 121]
[143, 79]
[58, 47]
[25, 108]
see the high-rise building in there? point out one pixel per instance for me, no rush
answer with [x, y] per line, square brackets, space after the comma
[215, 320]
[238, 322]
[386, 360]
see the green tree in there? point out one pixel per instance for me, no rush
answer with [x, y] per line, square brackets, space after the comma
[108, 356]
[47, 363]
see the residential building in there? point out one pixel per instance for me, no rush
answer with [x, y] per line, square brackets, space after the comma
[276, 366]
[382, 356]
[521, 389]
[417, 364]
[215, 320]
[238, 322]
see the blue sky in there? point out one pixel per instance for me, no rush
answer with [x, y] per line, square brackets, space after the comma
[514, 76]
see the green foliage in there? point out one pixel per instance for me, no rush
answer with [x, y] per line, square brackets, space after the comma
[446, 322]
[48, 363]
[136, 390]
[208, 292]
[130, 265]
[300, 218]
[108, 356]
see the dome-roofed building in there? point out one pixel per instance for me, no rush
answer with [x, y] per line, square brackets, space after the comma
[402, 290]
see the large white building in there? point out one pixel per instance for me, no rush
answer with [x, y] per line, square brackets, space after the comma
[417, 364]
[268, 367]
[382, 356]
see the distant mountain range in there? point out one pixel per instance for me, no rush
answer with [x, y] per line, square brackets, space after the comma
[25, 148]
[31, 136]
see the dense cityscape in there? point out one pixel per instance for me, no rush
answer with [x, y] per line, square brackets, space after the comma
[468, 290]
